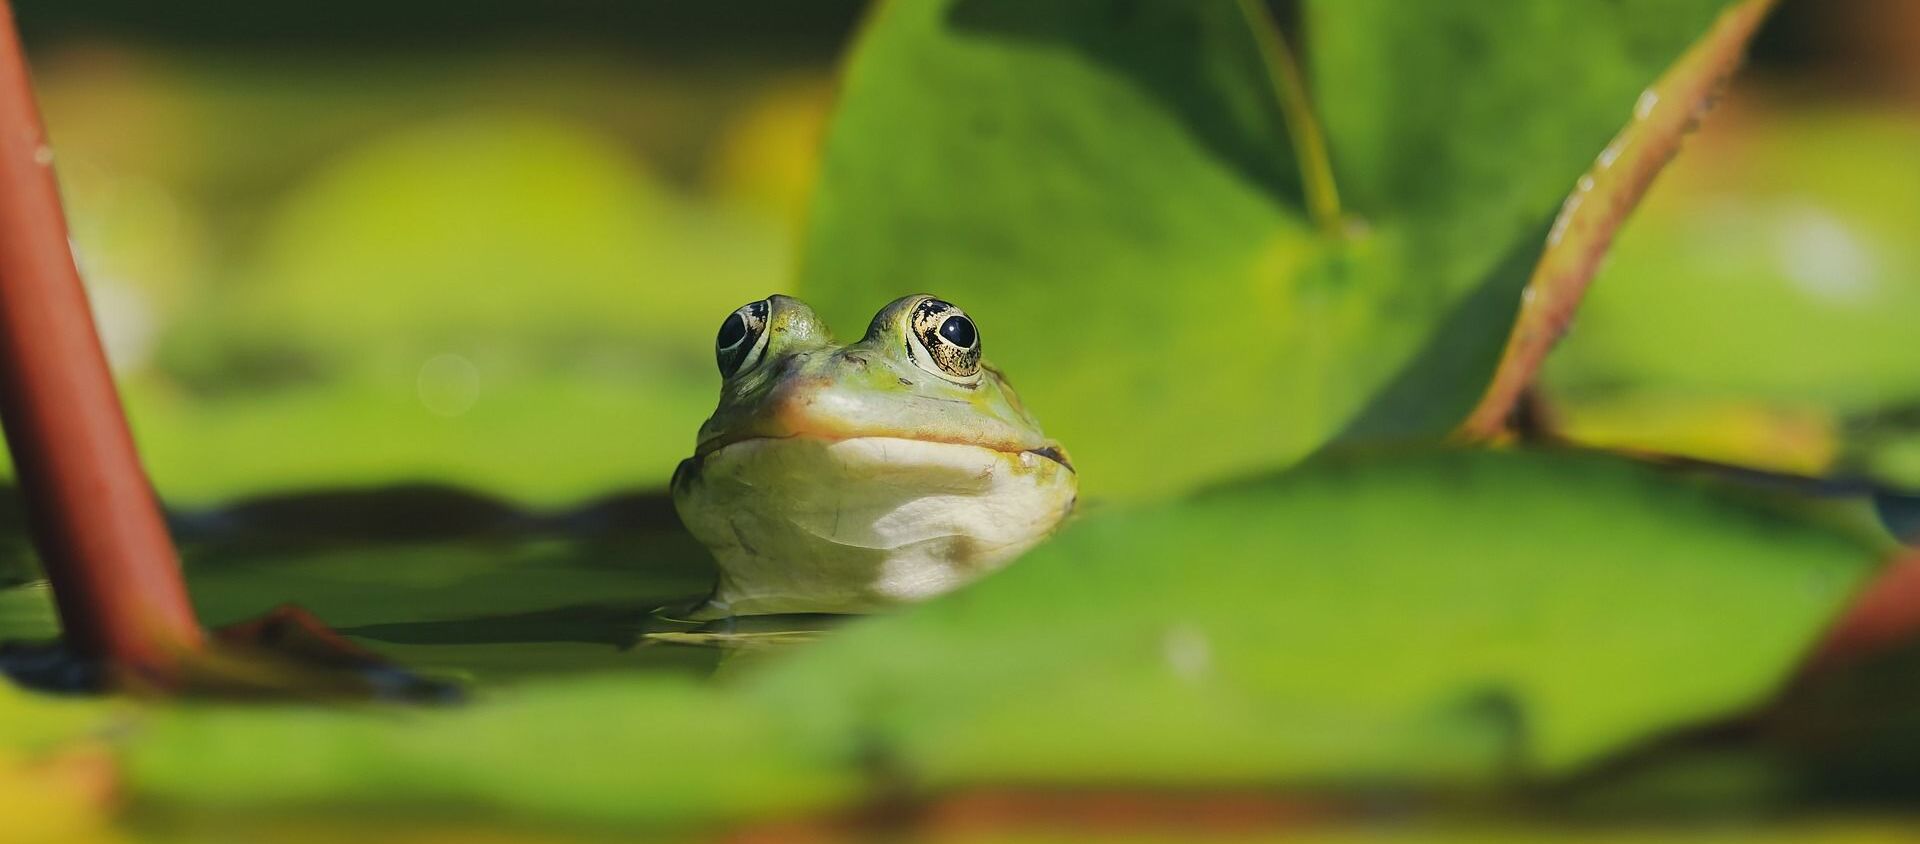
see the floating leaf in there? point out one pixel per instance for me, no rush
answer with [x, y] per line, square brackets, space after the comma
[1419, 618]
[1445, 621]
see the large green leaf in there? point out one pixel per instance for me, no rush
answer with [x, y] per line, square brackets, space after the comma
[1063, 177]
[1418, 617]
[1454, 620]
[1467, 116]
[1110, 188]
[606, 750]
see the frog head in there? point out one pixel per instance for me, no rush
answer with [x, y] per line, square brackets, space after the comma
[845, 478]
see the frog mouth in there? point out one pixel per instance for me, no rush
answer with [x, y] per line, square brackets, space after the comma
[857, 524]
[1053, 453]
[1049, 451]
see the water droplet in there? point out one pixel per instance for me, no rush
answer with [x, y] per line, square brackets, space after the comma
[1649, 100]
[1560, 223]
[448, 385]
[1608, 156]
[43, 155]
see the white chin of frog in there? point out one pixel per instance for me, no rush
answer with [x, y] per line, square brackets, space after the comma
[802, 525]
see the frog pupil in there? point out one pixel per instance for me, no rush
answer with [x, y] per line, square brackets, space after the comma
[732, 331]
[959, 331]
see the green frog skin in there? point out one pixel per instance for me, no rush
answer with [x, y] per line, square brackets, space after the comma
[851, 478]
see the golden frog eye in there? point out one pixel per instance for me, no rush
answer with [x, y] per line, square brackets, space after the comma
[742, 338]
[948, 337]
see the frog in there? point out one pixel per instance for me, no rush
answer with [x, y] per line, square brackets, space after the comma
[855, 478]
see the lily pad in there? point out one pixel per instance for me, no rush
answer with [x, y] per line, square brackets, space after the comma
[605, 750]
[1444, 615]
[1113, 190]
[1458, 620]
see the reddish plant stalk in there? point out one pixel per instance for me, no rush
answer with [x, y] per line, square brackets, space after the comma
[1885, 614]
[95, 520]
[1600, 203]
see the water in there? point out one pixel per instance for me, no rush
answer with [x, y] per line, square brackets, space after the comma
[454, 584]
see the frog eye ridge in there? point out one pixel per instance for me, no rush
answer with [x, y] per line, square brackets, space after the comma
[948, 338]
[742, 339]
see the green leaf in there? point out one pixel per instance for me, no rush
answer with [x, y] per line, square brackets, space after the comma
[1440, 619]
[1065, 176]
[1110, 189]
[606, 750]
[1447, 621]
[1468, 116]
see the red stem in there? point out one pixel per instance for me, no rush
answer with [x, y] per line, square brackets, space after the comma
[1885, 614]
[95, 520]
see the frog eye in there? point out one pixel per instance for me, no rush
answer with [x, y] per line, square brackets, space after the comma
[947, 338]
[742, 339]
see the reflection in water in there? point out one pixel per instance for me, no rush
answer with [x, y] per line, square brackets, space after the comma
[669, 624]
[456, 584]
[1900, 513]
[614, 626]
[740, 642]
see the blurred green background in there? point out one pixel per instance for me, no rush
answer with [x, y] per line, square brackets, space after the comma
[479, 255]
